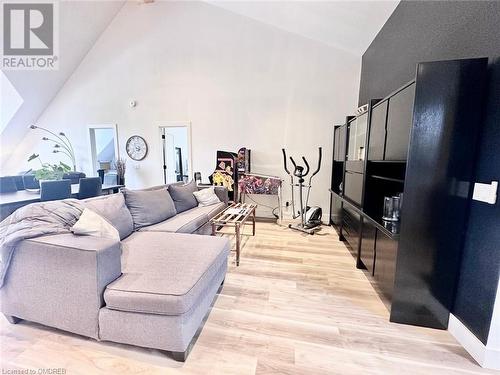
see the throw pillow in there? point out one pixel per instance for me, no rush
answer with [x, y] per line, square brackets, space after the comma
[112, 207]
[92, 224]
[149, 207]
[206, 197]
[183, 196]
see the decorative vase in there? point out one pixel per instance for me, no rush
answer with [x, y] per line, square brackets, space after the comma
[121, 180]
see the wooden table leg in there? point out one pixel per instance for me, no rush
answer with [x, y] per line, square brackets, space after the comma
[238, 239]
[213, 229]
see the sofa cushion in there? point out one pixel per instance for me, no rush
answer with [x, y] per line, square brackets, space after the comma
[185, 222]
[149, 207]
[112, 207]
[165, 273]
[93, 224]
[188, 221]
[183, 196]
[206, 197]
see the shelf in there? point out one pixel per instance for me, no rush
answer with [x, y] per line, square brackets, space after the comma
[388, 179]
[388, 161]
[377, 223]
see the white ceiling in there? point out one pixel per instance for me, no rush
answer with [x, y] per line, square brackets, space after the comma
[81, 23]
[348, 25]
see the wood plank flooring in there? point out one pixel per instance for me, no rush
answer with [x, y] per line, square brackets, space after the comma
[295, 305]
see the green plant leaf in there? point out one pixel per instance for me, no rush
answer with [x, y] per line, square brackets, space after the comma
[33, 157]
[66, 167]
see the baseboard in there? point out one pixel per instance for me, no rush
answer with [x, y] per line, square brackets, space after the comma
[492, 359]
[484, 356]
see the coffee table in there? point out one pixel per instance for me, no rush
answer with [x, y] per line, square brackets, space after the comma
[236, 216]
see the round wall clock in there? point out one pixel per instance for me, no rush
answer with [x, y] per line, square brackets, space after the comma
[136, 147]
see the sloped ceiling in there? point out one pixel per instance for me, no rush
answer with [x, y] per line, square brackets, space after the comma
[10, 101]
[81, 24]
[348, 25]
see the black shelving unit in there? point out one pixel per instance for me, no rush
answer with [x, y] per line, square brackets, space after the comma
[389, 229]
[414, 264]
[384, 179]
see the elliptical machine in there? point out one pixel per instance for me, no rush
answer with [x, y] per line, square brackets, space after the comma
[310, 217]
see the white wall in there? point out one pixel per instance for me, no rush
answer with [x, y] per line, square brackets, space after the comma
[240, 83]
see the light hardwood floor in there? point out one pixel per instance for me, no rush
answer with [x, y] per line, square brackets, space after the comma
[295, 305]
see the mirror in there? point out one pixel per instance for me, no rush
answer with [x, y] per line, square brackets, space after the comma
[104, 151]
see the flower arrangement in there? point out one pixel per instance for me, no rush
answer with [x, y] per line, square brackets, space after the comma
[61, 144]
[121, 166]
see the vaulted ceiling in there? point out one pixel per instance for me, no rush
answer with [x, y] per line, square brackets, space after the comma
[348, 25]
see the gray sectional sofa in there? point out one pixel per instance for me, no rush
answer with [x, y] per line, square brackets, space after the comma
[151, 289]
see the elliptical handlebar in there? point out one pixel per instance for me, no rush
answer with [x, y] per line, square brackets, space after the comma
[307, 167]
[284, 161]
[319, 162]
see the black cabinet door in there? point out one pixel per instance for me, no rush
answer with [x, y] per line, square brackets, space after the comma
[367, 252]
[336, 134]
[342, 141]
[351, 226]
[386, 250]
[335, 210]
[357, 138]
[376, 145]
[339, 143]
[353, 186]
[399, 123]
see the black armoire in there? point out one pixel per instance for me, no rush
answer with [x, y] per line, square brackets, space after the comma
[437, 189]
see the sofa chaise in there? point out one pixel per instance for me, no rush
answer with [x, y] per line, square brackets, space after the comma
[151, 289]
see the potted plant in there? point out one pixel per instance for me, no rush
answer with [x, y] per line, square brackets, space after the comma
[62, 144]
[49, 171]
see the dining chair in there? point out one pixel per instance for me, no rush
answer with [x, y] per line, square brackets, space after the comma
[7, 184]
[90, 187]
[74, 176]
[55, 190]
[30, 182]
[18, 179]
